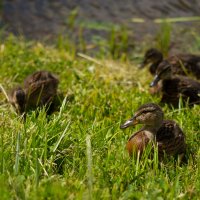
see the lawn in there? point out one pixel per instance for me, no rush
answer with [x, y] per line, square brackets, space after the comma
[79, 151]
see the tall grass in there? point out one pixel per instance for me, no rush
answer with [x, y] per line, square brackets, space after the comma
[79, 151]
[163, 37]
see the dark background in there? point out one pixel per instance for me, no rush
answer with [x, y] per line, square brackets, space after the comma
[37, 19]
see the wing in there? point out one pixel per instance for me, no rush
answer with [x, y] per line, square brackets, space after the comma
[40, 88]
[189, 88]
[40, 77]
[180, 86]
[170, 139]
[185, 64]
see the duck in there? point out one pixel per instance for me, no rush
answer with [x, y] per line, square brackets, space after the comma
[182, 64]
[39, 89]
[173, 87]
[165, 134]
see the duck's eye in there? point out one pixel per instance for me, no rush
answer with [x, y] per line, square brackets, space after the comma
[144, 112]
[148, 111]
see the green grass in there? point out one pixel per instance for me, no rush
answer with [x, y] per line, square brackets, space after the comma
[164, 38]
[79, 152]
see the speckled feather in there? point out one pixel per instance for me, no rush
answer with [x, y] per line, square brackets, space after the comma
[40, 88]
[180, 86]
[170, 139]
[190, 62]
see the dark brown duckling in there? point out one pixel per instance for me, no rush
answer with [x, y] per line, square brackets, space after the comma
[175, 87]
[40, 88]
[182, 64]
[166, 134]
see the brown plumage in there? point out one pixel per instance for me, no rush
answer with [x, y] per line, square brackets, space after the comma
[182, 64]
[175, 87]
[137, 143]
[17, 99]
[170, 139]
[166, 134]
[40, 88]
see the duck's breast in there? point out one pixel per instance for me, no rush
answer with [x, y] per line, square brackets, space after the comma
[137, 143]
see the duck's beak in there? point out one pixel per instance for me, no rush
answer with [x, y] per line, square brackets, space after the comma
[130, 122]
[155, 81]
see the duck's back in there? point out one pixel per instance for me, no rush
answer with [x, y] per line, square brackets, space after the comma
[180, 86]
[40, 88]
[40, 77]
[170, 139]
[184, 64]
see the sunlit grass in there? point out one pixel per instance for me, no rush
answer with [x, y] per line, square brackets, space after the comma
[79, 152]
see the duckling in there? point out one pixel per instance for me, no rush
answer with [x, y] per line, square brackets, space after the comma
[174, 87]
[166, 134]
[182, 64]
[40, 88]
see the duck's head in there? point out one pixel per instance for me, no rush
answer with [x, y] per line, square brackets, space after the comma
[151, 56]
[17, 99]
[149, 114]
[163, 71]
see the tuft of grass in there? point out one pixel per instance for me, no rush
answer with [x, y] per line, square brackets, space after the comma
[72, 18]
[164, 37]
[119, 43]
[79, 151]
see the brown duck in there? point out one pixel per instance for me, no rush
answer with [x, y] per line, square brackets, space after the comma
[39, 89]
[166, 134]
[182, 64]
[175, 87]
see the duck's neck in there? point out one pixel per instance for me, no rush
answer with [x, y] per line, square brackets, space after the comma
[151, 131]
[155, 64]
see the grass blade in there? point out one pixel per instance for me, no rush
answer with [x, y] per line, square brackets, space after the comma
[4, 92]
[17, 157]
[61, 137]
[89, 165]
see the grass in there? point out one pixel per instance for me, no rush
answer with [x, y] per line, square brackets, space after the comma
[164, 38]
[79, 152]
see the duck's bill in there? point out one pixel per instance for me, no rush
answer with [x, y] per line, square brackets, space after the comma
[130, 122]
[155, 81]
